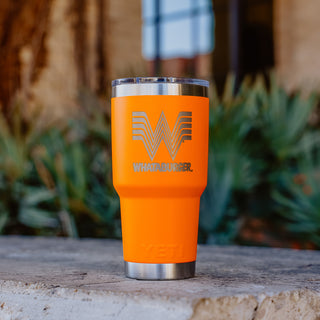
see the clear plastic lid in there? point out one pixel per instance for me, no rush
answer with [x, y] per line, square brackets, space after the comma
[145, 80]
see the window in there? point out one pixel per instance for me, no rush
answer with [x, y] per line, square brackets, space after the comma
[177, 29]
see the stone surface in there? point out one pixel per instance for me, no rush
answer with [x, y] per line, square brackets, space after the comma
[43, 278]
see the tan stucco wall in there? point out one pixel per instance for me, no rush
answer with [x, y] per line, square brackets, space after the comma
[297, 42]
[124, 42]
[117, 41]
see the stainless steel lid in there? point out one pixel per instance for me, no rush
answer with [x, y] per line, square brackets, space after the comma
[159, 86]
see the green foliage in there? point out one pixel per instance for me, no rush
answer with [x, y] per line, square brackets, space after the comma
[264, 162]
[284, 119]
[22, 196]
[230, 166]
[57, 180]
[256, 134]
[298, 199]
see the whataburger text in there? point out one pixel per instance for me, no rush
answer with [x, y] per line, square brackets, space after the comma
[162, 167]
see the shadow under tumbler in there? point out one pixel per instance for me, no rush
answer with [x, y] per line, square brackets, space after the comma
[159, 159]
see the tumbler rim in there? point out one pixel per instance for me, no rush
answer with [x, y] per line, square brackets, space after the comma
[159, 86]
[145, 80]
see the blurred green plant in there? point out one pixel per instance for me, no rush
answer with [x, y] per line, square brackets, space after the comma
[298, 200]
[231, 168]
[56, 179]
[256, 133]
[79, 166]
[22, 196]
[263, 173]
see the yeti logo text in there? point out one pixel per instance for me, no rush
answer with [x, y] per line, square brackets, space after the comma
[142, 130]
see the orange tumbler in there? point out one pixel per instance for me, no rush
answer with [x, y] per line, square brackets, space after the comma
[160, 160]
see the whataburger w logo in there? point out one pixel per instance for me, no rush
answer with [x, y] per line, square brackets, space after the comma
[142, 130]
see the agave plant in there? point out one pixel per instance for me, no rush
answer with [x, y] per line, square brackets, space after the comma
[298, 199]
[283, 119]
[256, 133]
[230, 168]
[282, 136]
[22, 197]
[263, 165]
[78, 165]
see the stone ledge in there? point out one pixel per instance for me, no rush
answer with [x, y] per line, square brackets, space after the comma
[49, 278]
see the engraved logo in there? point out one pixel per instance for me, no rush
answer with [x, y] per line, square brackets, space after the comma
[142, 130]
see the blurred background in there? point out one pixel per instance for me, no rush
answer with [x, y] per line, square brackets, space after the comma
[57, 60]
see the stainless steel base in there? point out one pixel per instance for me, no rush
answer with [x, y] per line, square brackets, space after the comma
[160, 271]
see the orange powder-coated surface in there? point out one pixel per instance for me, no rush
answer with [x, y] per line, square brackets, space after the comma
[159, 210]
